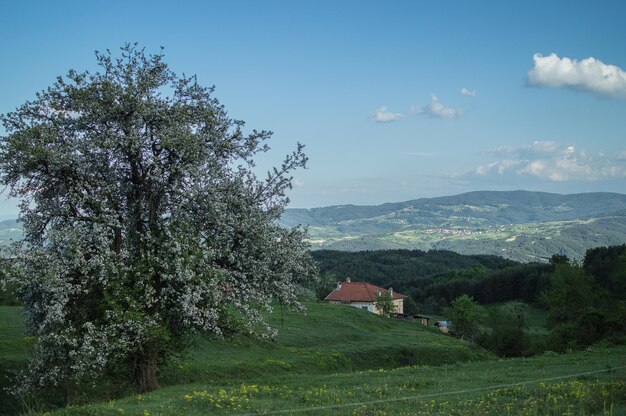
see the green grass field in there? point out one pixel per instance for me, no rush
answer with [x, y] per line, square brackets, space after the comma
[341, 360]
[13, 352]
[589, 382]
[327, 339]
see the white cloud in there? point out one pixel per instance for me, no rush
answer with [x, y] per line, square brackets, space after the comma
[536, 149]
[548, 160]
[589, 74]
[297, 182]
[381, 115]
[468, 92]
[435, 109]
[500, 166]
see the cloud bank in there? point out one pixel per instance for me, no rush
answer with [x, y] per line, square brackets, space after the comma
[435, 109]
[381, 115]
[589, 74]
[550, 161]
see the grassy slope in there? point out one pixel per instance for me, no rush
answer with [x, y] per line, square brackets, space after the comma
[327, 339]
[13, 350]
[312, 364]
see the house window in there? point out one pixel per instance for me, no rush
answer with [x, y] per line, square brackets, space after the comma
[365, 308]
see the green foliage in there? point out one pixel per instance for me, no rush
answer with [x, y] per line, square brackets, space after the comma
[467, 316]
[608, 265]
[587, 302]
[384, 303]
[559, 259]
[323, 285]
[398, 268]
[410, 307]
[8, 296]
[433, 279]
[144, 221]
[506, 336]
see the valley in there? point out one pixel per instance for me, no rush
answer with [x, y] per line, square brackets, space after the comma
[521, 226]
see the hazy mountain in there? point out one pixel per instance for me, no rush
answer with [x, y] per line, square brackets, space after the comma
[520, 225]
[10, 230]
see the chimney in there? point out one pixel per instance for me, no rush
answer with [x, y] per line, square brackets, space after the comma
[338, 286]
[348, 280]
[391, 292]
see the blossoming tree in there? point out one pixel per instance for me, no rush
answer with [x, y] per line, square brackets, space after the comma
[144, 221]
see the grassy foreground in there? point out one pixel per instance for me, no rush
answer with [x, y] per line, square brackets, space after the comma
[588, 382]
[342, 361]
[327, 339]
[13, 352]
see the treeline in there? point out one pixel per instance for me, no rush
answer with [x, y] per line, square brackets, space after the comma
[432, 279]
[522, 282]
[587, 302]
[401, 266]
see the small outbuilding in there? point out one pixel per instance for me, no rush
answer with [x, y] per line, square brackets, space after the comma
[424, 320]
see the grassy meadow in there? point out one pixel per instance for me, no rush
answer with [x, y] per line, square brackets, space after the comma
[540, 385]
[340, 360]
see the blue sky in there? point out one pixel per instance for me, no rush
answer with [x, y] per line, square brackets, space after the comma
[394, 100]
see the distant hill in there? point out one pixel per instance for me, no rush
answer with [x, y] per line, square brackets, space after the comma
[10, 230]
[519, 225]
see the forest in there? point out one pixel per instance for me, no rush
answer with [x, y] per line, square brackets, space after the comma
[432, 279]
[487, 297]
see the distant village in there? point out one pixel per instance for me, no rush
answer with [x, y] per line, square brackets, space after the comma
[466, 231]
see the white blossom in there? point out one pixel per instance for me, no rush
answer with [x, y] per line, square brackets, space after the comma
[143, 220]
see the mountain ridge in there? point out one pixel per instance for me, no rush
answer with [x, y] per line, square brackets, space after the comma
[520, 225]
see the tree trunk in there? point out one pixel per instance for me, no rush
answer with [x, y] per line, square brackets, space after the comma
[145, 376]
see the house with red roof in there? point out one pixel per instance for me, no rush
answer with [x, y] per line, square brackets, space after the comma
[363, 296]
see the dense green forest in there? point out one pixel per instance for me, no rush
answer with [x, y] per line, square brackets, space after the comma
[587, 302]
[432, 279]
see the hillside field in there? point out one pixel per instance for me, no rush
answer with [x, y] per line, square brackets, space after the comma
[340, 360]
[520, 225]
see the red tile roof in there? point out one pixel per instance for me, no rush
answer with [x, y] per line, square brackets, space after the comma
[359, 292]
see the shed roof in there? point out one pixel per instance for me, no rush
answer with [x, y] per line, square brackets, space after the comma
[359, 292]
